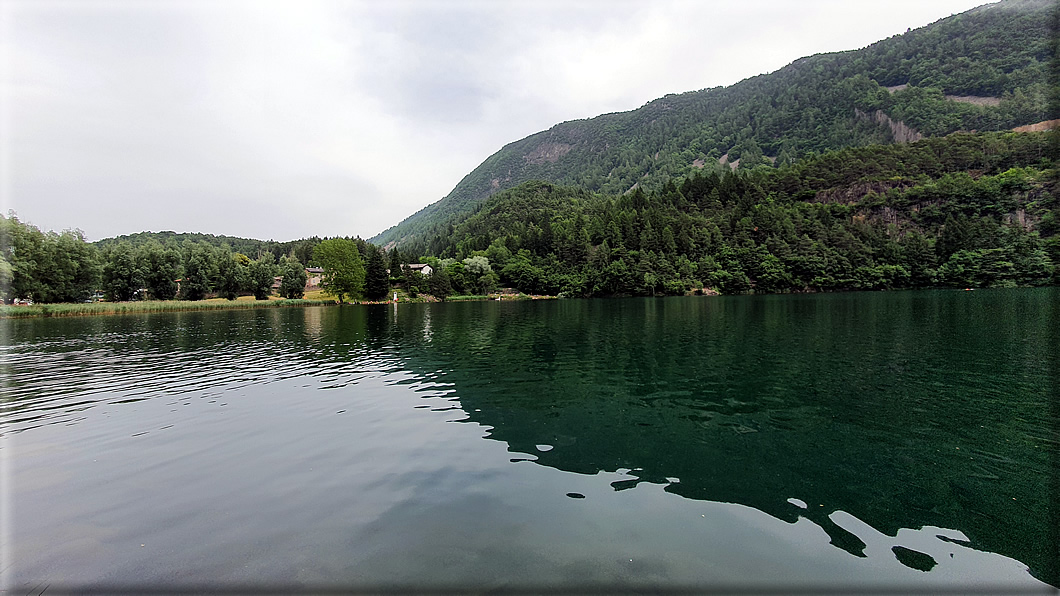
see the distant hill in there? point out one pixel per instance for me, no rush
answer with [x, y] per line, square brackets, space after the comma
[243, 245]
[302, 249]
[984, 69]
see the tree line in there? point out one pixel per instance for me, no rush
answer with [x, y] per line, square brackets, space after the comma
[50, 267]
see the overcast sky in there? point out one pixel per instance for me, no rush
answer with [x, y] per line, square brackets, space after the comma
[281, 120]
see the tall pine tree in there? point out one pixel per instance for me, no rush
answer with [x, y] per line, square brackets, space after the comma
[376, 280]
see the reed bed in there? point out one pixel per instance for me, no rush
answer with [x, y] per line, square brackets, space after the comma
[146, 306]
[505, 297]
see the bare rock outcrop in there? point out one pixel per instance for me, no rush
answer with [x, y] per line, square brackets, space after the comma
[902, 132]
[547, 151]
[853, 193]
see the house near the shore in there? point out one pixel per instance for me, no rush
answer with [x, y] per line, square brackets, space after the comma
[421, 268]
[313, 276]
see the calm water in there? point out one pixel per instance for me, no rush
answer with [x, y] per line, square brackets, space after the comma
[844, 441]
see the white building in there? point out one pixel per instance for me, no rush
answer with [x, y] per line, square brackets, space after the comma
[422, 268]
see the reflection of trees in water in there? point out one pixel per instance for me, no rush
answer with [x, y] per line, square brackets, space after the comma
[859, 403]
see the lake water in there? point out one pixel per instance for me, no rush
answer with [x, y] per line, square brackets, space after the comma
[845, 441]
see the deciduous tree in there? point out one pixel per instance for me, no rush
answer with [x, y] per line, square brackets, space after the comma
[292, 285]
[343, 270]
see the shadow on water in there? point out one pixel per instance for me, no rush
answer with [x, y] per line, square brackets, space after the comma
[932, 410]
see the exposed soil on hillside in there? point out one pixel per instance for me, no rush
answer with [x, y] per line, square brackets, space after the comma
[979, 100]
[1039, 126]
[724, 160]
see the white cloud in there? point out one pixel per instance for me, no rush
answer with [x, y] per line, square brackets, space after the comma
[288, 119]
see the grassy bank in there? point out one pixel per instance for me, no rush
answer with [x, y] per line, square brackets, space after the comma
[473, 297]
[146, 306]
[403, 298]
[314, 298]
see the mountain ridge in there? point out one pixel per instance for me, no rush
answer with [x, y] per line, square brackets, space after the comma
[997, 51]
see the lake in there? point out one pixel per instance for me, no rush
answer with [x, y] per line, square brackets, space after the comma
[861, 441]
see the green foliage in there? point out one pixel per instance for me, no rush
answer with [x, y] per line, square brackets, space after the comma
[396, 260]
[439, 283]
[123, 276]
[200, 269]
[6, 274]
[939, 211]
[75, 270]
[231, 273]
[161, 268]
[813, 105]
[294, 279]
[300, 249]
[522, 275]
[260, 275]
[376, 279]
[343, 270]
[413, 280]
[478, 275]
[46, 267]
[50, 267]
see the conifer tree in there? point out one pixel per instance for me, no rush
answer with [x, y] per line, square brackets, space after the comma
[376, 281]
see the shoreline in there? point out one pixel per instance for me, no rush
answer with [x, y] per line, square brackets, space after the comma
[66, 309]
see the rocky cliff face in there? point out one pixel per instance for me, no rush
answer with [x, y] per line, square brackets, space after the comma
[901, 132]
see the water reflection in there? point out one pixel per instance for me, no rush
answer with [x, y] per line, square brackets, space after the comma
[908, 410]
[911, 426]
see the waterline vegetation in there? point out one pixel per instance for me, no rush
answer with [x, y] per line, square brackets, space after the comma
[144, 306]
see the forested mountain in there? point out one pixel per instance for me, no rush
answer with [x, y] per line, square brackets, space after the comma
[985, 69]
[966, 210]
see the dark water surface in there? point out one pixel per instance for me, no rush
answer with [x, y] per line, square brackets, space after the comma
[853, 441]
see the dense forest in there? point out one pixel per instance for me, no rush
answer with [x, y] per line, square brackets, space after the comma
[982, 70]
[966, 210]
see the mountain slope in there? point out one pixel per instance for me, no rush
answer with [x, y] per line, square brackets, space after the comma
[967, 210]
[992, 59]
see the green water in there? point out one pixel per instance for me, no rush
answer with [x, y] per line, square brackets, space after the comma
[840, 441]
